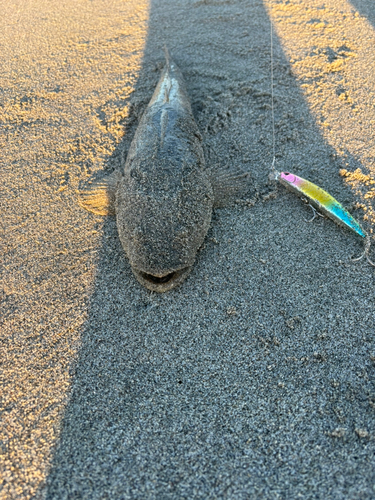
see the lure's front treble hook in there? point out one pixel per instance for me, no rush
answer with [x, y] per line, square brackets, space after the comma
[315, 212]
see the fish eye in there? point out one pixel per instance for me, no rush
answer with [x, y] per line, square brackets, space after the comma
[286, 173]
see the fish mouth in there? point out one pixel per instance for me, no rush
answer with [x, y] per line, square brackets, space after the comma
[161, 282]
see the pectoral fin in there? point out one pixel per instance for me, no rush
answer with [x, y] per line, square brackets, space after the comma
[229, 184]
[99, 197]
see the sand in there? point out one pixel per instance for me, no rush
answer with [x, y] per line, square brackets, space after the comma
[255, 378]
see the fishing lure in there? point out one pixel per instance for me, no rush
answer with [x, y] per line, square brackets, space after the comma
[326, 204]
[318, 199]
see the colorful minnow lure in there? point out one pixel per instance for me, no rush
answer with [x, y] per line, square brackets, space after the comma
[315, 196]
[326, 204]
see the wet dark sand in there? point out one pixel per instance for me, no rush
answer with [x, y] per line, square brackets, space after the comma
[255, 378]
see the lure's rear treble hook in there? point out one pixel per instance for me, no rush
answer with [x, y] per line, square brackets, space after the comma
[366, 252]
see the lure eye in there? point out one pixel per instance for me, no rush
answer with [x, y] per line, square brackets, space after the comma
[288, 177]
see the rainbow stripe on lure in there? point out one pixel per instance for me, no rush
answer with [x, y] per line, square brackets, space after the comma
[321, 200]
[326, 204]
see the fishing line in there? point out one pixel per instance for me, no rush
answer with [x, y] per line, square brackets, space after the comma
[273, 169]
[318, 199]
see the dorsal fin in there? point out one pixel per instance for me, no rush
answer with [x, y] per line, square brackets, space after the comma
[167, 90]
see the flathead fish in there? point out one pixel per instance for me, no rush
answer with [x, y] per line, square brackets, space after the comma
[164, 195]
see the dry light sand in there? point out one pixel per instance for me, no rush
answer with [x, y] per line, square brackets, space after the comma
[255, 378]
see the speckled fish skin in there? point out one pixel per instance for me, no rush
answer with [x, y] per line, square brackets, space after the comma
[164, 195]
[165, 198]
[321, 200]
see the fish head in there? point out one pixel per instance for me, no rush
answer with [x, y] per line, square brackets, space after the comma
[162, 230]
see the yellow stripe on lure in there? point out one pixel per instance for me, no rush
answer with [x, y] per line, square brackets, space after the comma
[324, 203]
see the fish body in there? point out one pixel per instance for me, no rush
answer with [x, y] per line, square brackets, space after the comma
[164, 196]
[321, 200]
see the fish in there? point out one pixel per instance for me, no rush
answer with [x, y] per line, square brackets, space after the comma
[164, 195]
[325, 204]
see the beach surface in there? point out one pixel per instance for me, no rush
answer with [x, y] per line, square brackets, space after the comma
[255, 377]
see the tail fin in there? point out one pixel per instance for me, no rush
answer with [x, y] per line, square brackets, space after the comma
[167, 56]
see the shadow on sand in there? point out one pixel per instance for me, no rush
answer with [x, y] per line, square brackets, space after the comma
[222, 387]
[365, 8]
